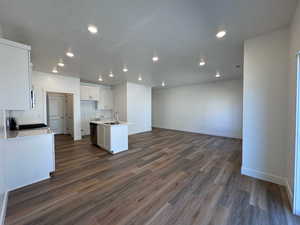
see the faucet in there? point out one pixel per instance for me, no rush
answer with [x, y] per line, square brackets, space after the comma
[116, 116]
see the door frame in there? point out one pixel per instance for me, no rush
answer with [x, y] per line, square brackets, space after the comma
[45, 96]
[296, 194]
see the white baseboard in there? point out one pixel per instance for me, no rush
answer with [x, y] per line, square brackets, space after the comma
[263, 176]
[12, 187]
[200, 132]
[3, 211]
[289, 192]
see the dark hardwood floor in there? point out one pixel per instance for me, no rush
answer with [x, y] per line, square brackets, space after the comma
[166, 178]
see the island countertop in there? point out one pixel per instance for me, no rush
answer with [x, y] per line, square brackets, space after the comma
[29, 132]
[103, 122]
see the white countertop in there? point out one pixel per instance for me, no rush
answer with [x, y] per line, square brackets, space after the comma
[102, 122]
[29, 132]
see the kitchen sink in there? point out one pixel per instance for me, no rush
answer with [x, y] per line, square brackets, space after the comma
[112, 123]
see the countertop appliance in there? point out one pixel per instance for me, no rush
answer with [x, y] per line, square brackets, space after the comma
[93, 133]
[32, 126]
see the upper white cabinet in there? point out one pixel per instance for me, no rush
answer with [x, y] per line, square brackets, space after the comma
[106, 99]
[102, 94]
[89, 93]
[15, 76]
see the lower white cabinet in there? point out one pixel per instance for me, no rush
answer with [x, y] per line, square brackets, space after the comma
[113, 138]
[28, 160]
[103, 136]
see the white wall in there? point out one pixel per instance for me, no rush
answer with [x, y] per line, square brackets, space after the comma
[120, 100]
[2, 174]
[148, 109]
[133, 103]
[43, 83]
[88, 111]
[265, 100]
[294, 49]
[2, 182]
[210, 108]
[2, 122]
[138, 108]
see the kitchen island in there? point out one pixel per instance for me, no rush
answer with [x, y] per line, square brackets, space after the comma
[111, 136]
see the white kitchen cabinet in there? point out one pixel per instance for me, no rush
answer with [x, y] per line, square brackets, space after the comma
[113, 138]
[105, 99]
[103, 138]
[28, 159]
[89, 93]
[15, 76]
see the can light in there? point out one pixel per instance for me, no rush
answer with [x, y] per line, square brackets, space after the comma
[140, 78]
[70, 54]
[155, 58]
[202, 62]
[61, 63]
[92, 29]
[221, 34]
[111, 74]
[125, 69]
[55, 70]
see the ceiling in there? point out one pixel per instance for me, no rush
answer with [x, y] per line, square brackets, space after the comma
[131, 31]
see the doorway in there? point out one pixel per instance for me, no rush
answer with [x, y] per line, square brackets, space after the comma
[60, 113]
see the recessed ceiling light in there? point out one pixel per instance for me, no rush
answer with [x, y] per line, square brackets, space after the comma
[61, 63]
[218, 75]
[163, 84]
[93, 29]
[140, 78]
[55, 70]
[155, 58]
[221, 34]
[100, 78]
[70, 54]
[111, 74]
[202, 62]
[125, 69]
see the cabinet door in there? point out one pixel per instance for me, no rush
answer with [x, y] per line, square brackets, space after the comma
[101, 135]
[94, 93]
[14, 78]
[107, 143]
[84, 93]
[89, 93]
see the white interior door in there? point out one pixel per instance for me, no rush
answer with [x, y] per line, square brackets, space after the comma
[56, 113]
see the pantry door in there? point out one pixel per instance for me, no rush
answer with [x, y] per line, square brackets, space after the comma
[56, 112]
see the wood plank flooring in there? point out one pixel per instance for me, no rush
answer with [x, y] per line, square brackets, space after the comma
[166, 178]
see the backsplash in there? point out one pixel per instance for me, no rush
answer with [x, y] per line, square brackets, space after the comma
[89, 112]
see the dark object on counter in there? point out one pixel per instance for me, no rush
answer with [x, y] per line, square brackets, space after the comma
[93, 133]
[31, 126]
[12, 123]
